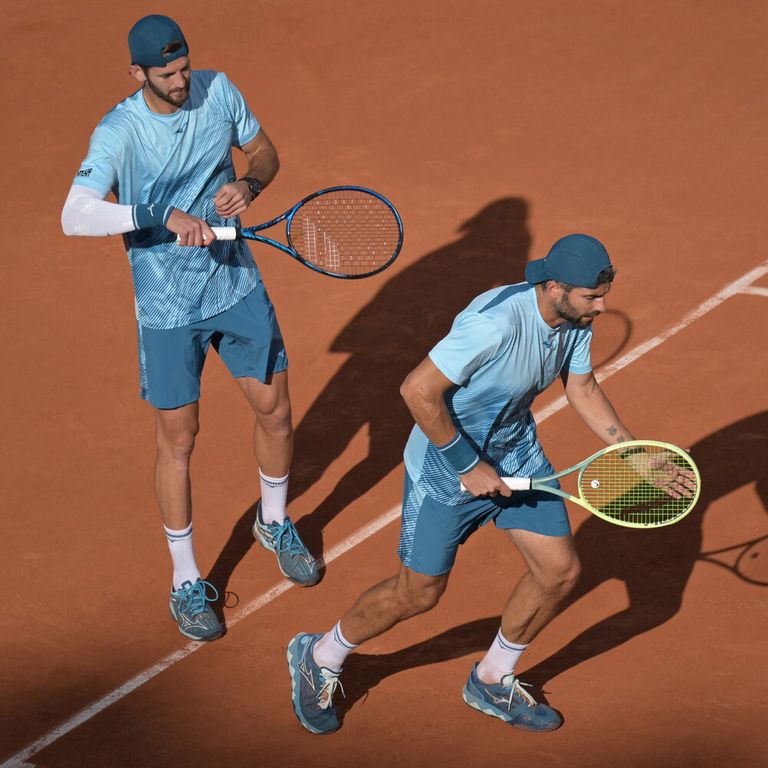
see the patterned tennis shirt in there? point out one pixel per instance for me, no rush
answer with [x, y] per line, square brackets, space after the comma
[500, 354]
[181, 159]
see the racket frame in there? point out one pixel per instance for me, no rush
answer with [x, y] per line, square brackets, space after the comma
[250, 233]
[541, 483]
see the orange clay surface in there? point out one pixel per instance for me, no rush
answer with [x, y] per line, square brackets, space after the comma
[495, 127]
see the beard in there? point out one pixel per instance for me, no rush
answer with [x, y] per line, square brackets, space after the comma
[174, 98]
[567, 312]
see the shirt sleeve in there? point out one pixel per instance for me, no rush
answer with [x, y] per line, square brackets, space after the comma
[473, 340]
[99, 170]
[580, 359]
[245, 126]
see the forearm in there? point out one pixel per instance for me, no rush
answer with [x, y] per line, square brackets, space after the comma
[263, 162]
[597, 412]
[424, 398]
[86, 213]
[432, 417]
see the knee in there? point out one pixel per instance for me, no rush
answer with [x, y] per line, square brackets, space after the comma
[177, 446]
[560, 579]
[421, 599]
[276, 420]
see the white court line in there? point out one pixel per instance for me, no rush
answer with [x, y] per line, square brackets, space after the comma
[755, 290]
[19, 759]
[739, 286]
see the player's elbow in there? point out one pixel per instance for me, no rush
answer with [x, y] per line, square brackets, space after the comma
[71, 213]
[67, 223]
[409, 389]
[419, 398]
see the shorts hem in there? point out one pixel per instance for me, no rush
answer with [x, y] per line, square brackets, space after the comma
[410, 567]
[283, 369]
[518, 527]
[165, 407]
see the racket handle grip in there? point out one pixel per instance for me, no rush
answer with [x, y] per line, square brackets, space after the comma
[222, 233]
[225, 233]
[513, 483]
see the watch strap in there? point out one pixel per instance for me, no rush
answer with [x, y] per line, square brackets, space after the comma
[254, 185]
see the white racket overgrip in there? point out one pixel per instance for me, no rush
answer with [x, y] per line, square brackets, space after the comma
[513, 483]
[222, 233]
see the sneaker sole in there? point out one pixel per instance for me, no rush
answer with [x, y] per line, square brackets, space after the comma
[481, 706]
[264, 543]
[293, 667]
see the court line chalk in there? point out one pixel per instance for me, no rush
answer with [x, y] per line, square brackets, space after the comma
[755, 290]
[742, 285]
[19, 760]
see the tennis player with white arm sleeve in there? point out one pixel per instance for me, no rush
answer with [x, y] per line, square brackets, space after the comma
[165, 153]
[471, 400]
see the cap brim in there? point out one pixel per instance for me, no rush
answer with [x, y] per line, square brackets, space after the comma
[535, 272]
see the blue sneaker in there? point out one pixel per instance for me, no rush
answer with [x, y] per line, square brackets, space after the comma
[509, 702]
[312, 687]
[190, 609]
[293, 557]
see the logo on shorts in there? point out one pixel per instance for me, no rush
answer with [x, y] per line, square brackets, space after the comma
[84, 172]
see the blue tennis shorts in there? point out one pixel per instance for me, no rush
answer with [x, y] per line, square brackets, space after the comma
[246, 337]
[431, 533]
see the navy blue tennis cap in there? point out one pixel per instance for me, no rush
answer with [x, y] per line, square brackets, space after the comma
[573, 259]
[150, 35]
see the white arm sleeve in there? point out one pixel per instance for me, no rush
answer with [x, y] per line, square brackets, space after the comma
[86, 213]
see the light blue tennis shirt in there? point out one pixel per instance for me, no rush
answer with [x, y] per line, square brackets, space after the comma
[500, 354]
[182, 159]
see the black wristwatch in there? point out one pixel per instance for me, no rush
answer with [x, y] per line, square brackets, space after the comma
[254, 186]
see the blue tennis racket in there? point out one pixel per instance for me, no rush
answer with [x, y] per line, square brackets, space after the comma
[346, 232]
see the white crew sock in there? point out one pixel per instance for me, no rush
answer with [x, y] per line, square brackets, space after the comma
[182, 555]
[274, 496]
[332, 649]
[501, 659]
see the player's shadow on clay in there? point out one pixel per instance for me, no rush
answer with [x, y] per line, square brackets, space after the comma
[654, 565]
[387, 339]
[384, 341]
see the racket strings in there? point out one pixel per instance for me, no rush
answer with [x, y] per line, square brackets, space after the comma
[641, 489]
[348, 232]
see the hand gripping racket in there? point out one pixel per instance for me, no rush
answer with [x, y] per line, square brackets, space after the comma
[637, 484]
[345, 232]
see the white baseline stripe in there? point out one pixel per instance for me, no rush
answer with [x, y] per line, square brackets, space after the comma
[18, 760]
[739, 286]
[755, 290]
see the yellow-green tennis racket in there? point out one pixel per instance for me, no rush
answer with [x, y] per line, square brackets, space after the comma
[637, 484]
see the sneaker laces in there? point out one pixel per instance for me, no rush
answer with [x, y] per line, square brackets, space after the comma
[516, 688]
[287, 539]
[331, 681]
[194, 599]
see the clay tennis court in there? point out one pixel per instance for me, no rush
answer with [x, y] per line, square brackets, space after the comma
[495, 127]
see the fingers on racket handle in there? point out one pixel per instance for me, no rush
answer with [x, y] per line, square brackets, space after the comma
[513, 483]
[222, 233]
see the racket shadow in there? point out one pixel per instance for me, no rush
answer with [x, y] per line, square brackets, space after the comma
[655, 565]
